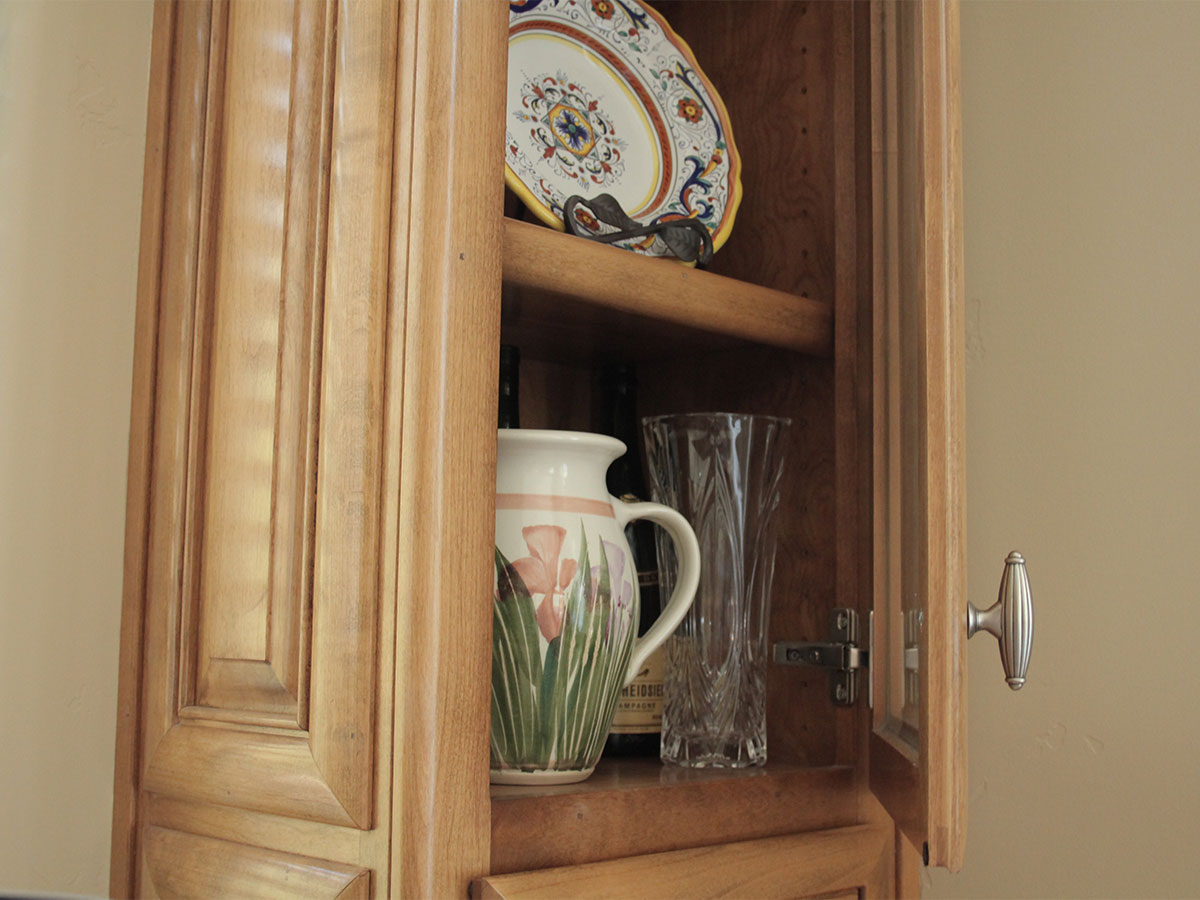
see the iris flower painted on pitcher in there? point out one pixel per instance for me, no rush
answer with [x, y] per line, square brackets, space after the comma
[544, 574]
[622, 590]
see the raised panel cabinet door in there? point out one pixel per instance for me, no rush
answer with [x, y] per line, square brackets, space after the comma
[917, 748]
[304, 658]
[251, 635]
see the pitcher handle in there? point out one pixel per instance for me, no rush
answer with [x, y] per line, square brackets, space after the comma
[687, 550]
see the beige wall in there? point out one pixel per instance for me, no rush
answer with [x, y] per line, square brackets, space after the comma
[73, 82]
[1082, 181]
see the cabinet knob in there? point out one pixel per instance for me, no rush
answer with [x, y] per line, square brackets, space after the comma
[1010, 619]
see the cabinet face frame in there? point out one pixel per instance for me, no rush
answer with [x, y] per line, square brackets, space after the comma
[918, 761]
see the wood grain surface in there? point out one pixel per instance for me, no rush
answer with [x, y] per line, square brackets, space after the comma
[854, 861]
[944, 726]
[565, 290]
[635, 807]
[917, 754]
[189, 865]
[772, 64]
[137, 496]
[265, 274]
[446, 526]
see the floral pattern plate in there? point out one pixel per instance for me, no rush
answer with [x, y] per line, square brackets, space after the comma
[603, 97]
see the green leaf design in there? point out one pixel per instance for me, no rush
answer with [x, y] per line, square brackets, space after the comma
[572, 651]
[516, 666]
[610, 693]
[546, 716]
[618, 648]
[570, 727]
[584, 706]
[505, 744]
[555, 712]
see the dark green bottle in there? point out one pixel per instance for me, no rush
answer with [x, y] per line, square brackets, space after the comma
[638, 723]
[509, 406]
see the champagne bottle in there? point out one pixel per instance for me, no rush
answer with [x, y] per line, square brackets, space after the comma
[638, 721]
[509, 407]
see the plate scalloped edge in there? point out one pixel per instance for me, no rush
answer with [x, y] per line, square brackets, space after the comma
[569, 128]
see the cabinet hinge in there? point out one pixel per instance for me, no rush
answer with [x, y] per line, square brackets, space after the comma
[841, 655]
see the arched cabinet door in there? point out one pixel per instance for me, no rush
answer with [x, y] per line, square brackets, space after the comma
[917, 747]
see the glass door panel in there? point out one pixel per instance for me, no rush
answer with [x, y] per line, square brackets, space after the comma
[899, 407]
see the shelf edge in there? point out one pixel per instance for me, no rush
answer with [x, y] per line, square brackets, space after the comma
[598, 275]
[535, 832]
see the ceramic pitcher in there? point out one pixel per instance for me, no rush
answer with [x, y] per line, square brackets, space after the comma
[565, 606]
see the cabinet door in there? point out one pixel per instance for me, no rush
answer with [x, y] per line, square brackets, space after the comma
[312, 453]
[917, 756]
[250, 695]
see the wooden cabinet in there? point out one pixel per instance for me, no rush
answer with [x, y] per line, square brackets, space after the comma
[326, 275]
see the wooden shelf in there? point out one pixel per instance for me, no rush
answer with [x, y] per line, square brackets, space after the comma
[630, 807]
[638, 306]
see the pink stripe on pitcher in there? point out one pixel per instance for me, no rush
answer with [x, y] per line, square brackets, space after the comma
[555, 503]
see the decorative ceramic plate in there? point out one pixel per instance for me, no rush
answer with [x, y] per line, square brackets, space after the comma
[603, 97]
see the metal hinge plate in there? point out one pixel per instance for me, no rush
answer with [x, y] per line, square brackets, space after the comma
[841, 655]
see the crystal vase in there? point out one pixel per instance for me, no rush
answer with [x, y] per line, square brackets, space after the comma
[722, 471]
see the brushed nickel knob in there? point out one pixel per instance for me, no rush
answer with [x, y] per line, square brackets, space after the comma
[1010, 619]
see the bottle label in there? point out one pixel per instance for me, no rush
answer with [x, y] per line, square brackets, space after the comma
[640, 707]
